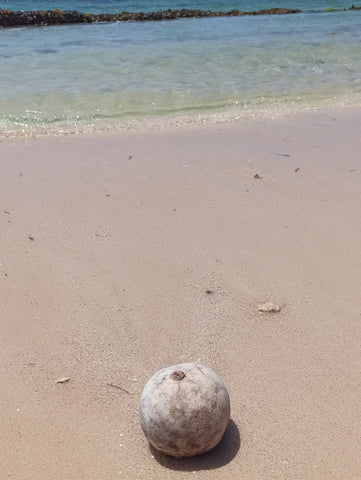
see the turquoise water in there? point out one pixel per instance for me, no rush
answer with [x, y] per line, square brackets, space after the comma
[115, 75]
[110, 6]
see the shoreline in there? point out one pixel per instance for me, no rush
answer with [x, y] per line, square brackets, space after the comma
[175, 121]
[123, 254]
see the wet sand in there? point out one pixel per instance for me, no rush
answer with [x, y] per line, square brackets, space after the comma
[123, 254]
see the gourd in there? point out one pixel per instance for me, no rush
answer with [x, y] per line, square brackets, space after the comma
[184, 410]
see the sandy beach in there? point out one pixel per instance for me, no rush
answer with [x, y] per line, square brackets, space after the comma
[122, 254]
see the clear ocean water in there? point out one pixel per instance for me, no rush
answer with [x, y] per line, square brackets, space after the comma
[67, 79]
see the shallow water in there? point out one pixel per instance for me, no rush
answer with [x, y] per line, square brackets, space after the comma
[110, 6]
[85, 77]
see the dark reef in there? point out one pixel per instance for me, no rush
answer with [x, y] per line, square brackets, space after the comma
[59, 17]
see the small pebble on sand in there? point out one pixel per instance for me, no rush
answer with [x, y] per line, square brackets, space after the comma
[269, 307]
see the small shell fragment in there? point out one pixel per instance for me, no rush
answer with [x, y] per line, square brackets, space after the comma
[269, 307]
[62, 380]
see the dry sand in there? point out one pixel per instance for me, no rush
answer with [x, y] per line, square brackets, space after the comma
[108, 247]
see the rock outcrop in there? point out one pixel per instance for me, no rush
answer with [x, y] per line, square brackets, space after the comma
[59, 17]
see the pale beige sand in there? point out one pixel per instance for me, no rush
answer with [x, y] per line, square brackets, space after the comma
[105, 262]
